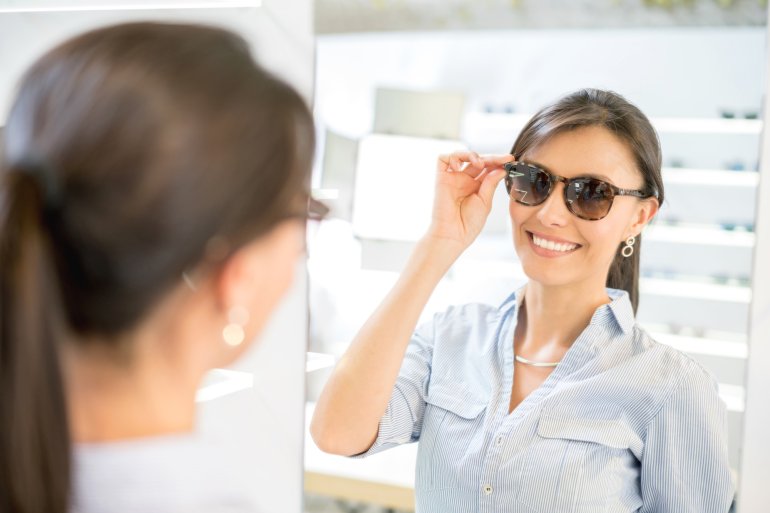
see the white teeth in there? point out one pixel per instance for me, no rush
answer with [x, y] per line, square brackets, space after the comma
[553, 246]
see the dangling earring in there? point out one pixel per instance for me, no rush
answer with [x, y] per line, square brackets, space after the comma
[628, 249]
[233, 333]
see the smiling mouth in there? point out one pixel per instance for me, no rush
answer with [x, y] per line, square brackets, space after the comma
[558, 247]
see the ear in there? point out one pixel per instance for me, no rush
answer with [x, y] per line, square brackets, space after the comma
[238, 277]
[646, 210]
[257, 275]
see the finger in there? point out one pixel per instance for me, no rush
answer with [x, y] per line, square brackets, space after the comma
[456, 161]
[484, 172]
[488, 186]
[443, 162]
[472, 166]
[475, 170]
[447, 162]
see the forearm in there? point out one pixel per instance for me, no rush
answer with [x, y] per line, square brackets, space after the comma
[356, 396]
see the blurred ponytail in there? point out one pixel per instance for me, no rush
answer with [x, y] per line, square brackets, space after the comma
[34, 435]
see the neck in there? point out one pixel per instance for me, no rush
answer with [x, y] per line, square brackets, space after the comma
[116, 397]
[143, 383]
[553, 317]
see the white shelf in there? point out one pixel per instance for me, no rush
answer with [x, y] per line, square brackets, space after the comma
[707, 125]
[703, 346]
[221, 382]
[695, 290]
[705, 236]
[734, 397]
[317, 361]
[710, 177]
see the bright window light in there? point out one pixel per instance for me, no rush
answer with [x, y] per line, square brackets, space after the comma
[395, 179]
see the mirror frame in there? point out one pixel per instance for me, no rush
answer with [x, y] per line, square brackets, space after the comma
[753, 490]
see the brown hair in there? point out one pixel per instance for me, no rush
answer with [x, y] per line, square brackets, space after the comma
[127, 150]
[594, 107]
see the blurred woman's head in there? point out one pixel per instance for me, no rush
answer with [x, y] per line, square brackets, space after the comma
[152, 173]
[577, 236]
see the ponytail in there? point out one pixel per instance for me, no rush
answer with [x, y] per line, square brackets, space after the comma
[624, 272]
[34, 433]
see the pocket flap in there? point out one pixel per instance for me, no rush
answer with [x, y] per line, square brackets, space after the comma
[457, 401]
[611, 433]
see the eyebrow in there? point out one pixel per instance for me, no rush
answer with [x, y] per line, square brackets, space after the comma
[581, 175]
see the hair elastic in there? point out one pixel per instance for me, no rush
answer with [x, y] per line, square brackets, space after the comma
[45, 176]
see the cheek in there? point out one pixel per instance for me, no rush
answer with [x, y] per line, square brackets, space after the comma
[603, 239]
[515, 211]
[518, 214]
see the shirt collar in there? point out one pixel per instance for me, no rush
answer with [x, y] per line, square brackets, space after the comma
[514, 300]
[619, 310]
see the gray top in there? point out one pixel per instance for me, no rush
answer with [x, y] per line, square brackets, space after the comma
[165, 474]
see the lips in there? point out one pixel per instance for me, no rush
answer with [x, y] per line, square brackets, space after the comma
[552, 245]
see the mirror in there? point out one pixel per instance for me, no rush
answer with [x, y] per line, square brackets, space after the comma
[394, 92]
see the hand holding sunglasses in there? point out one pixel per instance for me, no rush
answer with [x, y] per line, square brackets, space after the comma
[465, 185]
[586, 197]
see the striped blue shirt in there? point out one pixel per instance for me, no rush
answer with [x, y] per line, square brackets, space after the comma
[622, 424]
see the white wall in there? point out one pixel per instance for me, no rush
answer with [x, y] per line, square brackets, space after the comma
[667, 72]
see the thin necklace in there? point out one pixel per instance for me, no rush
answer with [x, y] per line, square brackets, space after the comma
[523, 360]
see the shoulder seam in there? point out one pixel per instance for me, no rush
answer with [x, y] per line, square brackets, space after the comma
[674, 387]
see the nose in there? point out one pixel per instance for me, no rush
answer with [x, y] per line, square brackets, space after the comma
[553, 211]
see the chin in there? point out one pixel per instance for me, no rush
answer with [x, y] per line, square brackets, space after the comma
[549, 279]
[549, 273]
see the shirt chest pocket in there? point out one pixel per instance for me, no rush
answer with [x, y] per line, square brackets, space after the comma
[451, 435]
[578, 465]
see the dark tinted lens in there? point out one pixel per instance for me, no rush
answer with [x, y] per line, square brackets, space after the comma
[316, 210]
[528, 184]
[589, 198]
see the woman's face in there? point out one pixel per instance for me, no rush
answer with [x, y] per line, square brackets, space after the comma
[587, 248]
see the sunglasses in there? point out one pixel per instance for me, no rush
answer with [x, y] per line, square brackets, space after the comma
[316, 211]
[586, 197]
[313, 211]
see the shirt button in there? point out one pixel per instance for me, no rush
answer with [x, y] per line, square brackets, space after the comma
[487, 489]
[499, 440]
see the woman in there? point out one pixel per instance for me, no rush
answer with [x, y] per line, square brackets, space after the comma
[154, 196]
[557, 401]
